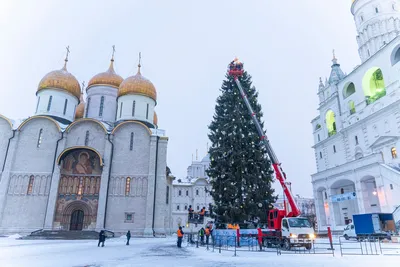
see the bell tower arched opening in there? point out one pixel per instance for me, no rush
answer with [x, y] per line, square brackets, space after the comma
[330, 122]
[373, 85]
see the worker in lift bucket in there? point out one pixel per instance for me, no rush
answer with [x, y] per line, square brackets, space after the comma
[232, 65]
[190, 210]
[202, 213]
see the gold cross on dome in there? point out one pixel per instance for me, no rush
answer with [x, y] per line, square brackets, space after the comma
[112, 57]
[66, 58]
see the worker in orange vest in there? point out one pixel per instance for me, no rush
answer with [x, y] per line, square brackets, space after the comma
[180, 236]
[208, 232]
[202, 212]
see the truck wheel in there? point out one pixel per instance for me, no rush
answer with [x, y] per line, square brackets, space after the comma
[346, 237]
[308, 246]
[286, 244]
[267, 243]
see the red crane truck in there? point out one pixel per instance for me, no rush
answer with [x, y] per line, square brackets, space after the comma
[286, 229]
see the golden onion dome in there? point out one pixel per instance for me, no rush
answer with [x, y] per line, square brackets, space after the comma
[155, 119]
[61, 79]
[137, 85]
[80, 109]
[110, 78]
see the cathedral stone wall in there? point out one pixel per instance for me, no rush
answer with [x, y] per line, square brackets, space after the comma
[29, 180]
[25, 210]
[87, 133]
[130, 160]
[125, 160]
[5, 134]
[35, 150]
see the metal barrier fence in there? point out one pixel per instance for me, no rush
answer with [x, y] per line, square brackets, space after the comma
[249, 243]
[368, 246]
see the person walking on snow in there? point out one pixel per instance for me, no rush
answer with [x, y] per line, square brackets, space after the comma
[128, 236]
[180, 236]
[102, 238]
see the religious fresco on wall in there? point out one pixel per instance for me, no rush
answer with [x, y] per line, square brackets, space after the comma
[81, 162]
[79, 188]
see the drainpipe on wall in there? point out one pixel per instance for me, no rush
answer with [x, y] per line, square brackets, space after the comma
[8, 146]
[109, 178]
[155, 187]
[52, 172]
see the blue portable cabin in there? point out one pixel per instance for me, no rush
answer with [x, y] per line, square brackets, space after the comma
[371, 223]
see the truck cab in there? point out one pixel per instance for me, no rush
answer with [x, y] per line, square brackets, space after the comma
[297, 232]
[349, 231]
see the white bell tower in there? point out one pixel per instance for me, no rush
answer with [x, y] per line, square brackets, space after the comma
[377, 23]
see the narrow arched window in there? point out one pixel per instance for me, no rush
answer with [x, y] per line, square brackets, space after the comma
[356, 139]
[87, 107]
[131, 143]
[101, 106]
[49, 104]
[342, 191]
[39, 141]
[334, 149]
[128, 186]
[320, 155]
[65, 106]
[197, 192]
[179, 192]
[394, 152]
[352, 107]
[120, 110]
[167, 195]
[87, 138]
[319, 138]
[30, 185]
[147, 112]
[37, 105]
[133, 108]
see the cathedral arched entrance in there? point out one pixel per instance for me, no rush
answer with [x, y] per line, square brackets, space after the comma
[78, 190]
[76, 220]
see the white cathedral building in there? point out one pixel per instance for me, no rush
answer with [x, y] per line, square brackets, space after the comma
[357, 131]
[193, 191]
[86, 166]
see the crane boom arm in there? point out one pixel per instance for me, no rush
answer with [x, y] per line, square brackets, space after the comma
[280, 175]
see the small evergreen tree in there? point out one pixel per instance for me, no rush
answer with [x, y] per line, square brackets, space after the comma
[240, 170]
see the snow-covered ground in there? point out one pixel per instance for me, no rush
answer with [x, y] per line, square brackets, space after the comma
[158, 252]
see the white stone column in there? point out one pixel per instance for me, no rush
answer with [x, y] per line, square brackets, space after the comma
[148, 231]
[101, 210]
[53, 192]
[161, 205]
[52, 199]
[383, 201]
[331, 221]
[318, 210]
[5, 176]
[360, 197]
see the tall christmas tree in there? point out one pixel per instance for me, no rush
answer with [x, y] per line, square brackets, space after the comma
[240, 171]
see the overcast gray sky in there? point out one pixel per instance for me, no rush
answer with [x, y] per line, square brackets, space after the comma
[186, 45]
